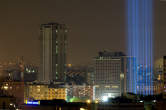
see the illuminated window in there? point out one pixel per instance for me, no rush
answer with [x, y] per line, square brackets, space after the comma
[56, 49]
[115, 86]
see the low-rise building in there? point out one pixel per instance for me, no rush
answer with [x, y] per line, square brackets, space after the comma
[44, 92]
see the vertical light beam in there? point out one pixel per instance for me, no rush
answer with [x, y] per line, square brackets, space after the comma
[140, 45]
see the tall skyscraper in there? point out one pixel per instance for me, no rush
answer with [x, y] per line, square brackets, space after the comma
[109, 67]
[53, 43]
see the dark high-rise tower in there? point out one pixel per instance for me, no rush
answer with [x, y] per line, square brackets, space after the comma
[53, 43]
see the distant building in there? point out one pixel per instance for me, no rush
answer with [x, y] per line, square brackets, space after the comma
[19, 72]
[108, 68]
[12, 71]
[79, 75]
[53, 53]
[15, 89]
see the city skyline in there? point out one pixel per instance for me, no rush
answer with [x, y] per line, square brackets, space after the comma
[83, 54]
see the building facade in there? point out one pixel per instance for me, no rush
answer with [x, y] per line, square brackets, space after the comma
[53, 42]
[107, 75]
[43, 92]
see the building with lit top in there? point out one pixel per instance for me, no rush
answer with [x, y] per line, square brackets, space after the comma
[53, 37]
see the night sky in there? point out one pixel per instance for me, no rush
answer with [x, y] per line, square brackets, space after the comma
[94, 25]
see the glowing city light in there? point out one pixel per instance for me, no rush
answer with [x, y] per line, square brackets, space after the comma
[96, 101]
[32, 102]
[104, 98]
[5, 87]
[88, 101]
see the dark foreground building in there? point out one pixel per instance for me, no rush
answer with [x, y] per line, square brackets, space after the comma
[56, 105]
[62, 105]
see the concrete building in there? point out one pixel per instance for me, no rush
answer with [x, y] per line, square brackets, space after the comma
[108, 68]
[53, 54]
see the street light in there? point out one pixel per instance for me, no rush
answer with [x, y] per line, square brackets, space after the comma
[88, 101]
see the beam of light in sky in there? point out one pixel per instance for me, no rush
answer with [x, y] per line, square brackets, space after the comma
[140, 45]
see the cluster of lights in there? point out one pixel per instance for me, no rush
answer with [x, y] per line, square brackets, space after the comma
[5, 87]
[29, 71]
[14, 106]
[89, 101]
